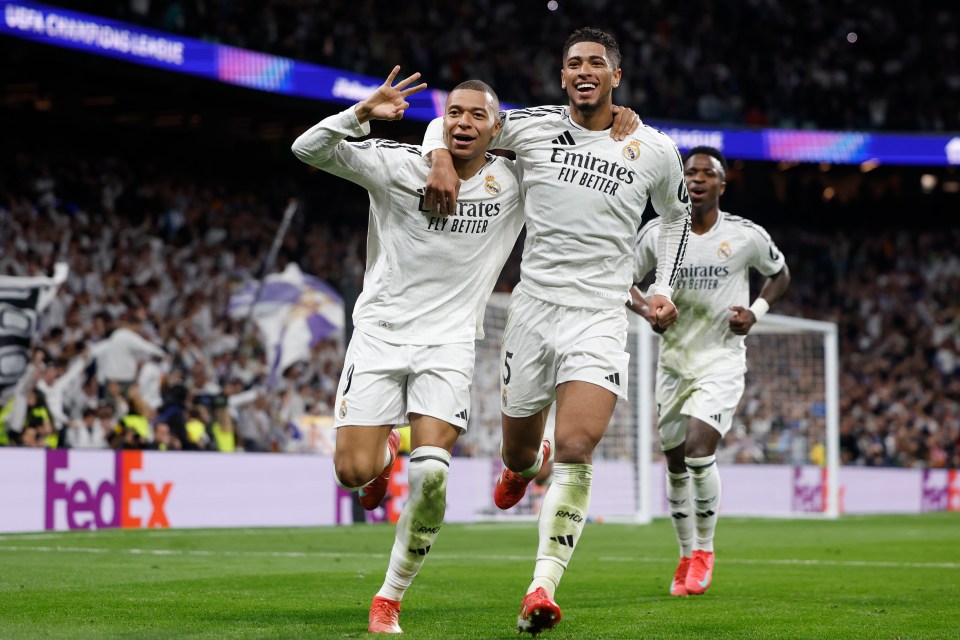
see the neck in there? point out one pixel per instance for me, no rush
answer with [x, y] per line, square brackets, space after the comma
[702, 221]
[466, 169]
[593, 118]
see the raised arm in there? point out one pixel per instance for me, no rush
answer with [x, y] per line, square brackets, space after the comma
[319, 145]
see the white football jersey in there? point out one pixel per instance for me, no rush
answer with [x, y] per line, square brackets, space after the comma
[428, 277]
[714, 276]
[584, 195]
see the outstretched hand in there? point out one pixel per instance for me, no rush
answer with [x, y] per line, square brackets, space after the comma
[389, 101]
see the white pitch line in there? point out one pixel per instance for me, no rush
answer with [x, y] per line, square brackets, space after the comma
[460, 557]
[813, 562]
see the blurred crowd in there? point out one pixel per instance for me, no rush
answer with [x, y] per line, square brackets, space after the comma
[797, 64]
[138, 351]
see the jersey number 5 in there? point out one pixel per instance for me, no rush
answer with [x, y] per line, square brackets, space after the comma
[506, 366]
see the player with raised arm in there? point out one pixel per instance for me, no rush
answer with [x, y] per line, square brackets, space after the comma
[700, 374]
[565, 339]
[426, 285]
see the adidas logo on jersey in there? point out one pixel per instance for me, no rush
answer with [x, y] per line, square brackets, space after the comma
[564, 140]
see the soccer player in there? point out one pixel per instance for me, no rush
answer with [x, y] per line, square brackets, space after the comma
[700, 374]
[411, 357]
[565, 339]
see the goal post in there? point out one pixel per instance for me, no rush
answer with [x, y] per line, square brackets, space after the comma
[790, 408]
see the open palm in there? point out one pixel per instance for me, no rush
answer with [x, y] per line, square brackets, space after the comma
[390, 101]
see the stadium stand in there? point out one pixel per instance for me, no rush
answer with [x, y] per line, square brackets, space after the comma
[160, 224]
[803, 66]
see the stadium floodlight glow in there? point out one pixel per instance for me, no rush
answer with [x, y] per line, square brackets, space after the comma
[265, 72]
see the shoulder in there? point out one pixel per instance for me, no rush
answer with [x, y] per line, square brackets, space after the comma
[533, 114]
[656, 140]
[745, 226]
[389, 146]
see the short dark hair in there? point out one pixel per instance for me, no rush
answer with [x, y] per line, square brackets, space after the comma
[707, 151]
[592, 34]
[480, 85]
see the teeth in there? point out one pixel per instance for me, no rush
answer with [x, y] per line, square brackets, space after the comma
[581, 87]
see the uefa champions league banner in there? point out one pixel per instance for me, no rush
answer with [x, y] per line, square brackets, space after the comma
[59, 490]
[50, 25]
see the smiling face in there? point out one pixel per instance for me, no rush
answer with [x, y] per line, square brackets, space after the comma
[470, 123]
[589, 77]
[706, 181]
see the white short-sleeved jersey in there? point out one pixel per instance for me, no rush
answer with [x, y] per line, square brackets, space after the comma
[584, 196]
[714, 276]
[428, 277]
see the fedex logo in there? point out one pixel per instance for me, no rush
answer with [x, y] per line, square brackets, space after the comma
[117, 500]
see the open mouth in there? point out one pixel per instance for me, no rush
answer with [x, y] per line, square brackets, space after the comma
[697, 192]
[462, 140]
[585, 88]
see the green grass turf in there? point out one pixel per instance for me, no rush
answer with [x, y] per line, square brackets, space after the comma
[859, 577]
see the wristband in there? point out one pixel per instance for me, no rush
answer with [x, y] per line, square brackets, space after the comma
[660, 290]
[759, 308]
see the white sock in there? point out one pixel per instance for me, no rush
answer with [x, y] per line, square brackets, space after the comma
[706, 498]
[420, 520]
[681, 511]
[562, 516]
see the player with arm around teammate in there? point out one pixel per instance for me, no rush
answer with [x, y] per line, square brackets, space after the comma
[565, 338]
[700, 373]
[426, 284]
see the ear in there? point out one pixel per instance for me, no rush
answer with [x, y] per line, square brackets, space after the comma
[563, 81]
[616, 77]
[723, 186]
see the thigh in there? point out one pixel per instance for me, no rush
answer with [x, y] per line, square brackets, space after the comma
[439, 382]
[672, 392]
[527, 361]
[372, 388]
[591, 347]
[714, 398]
[427, 431]
[583, 413]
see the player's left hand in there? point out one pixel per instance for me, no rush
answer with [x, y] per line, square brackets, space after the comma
[389, 101]
[742, 320]
[664, 310]
[625, 122]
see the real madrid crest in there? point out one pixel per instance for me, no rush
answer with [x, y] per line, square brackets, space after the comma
[632, 150]
[504, 397]
[724, 251]
[343, 409]
[491, 185]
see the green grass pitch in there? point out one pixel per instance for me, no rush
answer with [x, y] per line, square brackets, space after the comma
[859, 577]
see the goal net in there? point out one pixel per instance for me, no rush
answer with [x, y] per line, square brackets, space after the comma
[786, 430]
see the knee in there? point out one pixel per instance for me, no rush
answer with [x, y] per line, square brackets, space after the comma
[351, 473]
[519, 458]
[575, 450]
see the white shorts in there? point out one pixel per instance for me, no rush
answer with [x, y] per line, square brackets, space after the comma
[382, 383]
[545, 345]
[712, 398]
